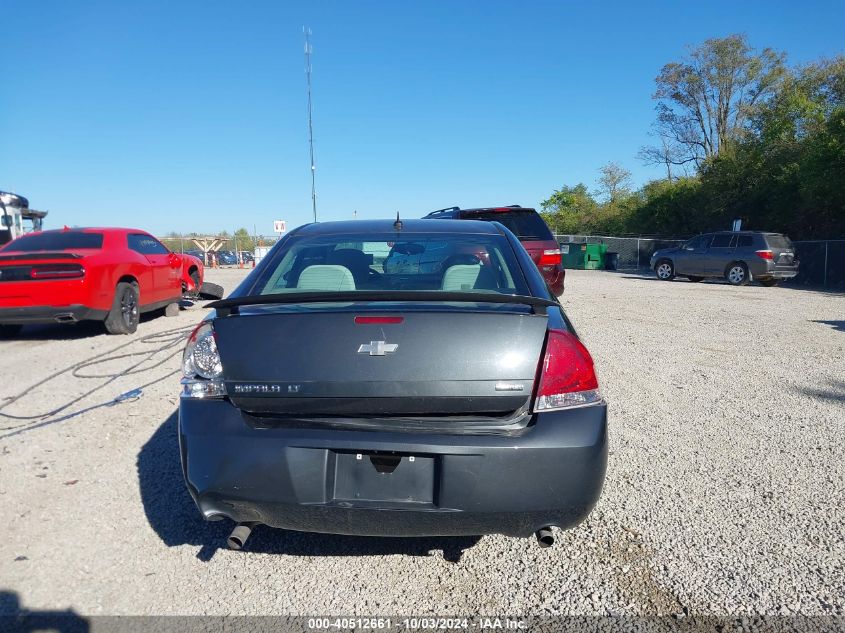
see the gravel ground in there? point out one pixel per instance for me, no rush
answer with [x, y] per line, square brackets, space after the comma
[724, 492]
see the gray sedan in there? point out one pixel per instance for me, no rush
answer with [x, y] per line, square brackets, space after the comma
[333, 393]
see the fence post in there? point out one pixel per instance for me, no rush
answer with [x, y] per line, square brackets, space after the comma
[824, 283]
[638, 253]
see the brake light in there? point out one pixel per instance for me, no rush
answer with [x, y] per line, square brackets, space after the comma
[765, 254]
[57, 271]
[550, 257]
[202, 368]
[567, 376]
[378, 320]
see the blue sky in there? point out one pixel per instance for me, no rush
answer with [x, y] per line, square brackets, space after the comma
[191, 116]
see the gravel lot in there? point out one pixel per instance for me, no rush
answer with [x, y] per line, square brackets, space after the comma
[724, 493]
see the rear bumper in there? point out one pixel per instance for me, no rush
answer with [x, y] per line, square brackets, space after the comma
[779, 274]
[313, 480]
[766, 269]
[49, 314]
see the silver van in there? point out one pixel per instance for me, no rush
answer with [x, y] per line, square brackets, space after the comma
[739, 257]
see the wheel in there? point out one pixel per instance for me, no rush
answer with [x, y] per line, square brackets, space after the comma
[769, 282]
[694, 279]
[124, 314]
[664, 270]
[737, 274]
[10, 330]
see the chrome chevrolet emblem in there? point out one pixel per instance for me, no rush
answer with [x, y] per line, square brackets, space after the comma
[378, 348]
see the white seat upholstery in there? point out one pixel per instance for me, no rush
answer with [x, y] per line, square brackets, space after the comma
[326, 277]
[461, 277]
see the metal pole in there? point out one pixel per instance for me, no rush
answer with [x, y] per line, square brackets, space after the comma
[308, 51]
[825, 263]
[638, 253]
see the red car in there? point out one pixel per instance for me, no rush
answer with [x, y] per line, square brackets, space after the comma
[104, 274]
[529, 228]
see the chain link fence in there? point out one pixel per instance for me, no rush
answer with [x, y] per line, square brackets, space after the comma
[822, 262]
[627, 253]
[227, 250]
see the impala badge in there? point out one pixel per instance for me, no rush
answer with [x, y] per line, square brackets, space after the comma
[378, 348]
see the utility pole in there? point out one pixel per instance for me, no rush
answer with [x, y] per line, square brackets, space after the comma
[308, 51]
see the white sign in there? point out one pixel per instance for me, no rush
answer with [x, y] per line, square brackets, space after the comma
[280, 226]
[737, 225]
[564, 249]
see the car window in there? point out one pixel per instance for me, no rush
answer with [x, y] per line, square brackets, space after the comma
[779, 241]
[723, 240]
[62, 241]
[483, 263]
[526, 225]
[744, 241]
[146, 244]
[701, 241]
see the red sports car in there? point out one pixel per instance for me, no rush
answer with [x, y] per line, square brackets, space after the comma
[109, 274]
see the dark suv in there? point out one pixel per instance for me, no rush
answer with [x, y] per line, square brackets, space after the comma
[738, 257]
[528, 226]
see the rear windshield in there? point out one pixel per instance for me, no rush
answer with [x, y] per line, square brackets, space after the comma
[418, 261]
[779, 241]
[526, 225]
[64, 241]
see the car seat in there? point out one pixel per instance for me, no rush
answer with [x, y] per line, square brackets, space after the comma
[357, 262]
[326, 277]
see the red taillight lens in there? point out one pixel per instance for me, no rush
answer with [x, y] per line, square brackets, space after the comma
[765, 254]
[550, 257]
[57, 271]
[567, 377]
[378, 320]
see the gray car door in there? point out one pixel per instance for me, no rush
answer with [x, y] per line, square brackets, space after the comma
[720, 254]
[690, 260]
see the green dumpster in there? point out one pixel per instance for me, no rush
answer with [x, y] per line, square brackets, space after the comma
[583, 256]
[594, 256]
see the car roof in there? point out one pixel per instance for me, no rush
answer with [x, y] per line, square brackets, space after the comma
[742, 233]
[408, 226]
[106, 230]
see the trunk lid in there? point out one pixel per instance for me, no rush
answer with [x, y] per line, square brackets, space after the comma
[783, 251]
[310, 361]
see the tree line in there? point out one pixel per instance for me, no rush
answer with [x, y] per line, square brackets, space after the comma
[740, 134]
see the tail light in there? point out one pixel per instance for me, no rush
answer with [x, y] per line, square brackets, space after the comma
[766, 254]
[202, 369]
[57, 271]
[550, 257]
[567, 377]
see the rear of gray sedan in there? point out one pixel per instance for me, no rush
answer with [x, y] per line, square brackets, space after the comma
[335, 392]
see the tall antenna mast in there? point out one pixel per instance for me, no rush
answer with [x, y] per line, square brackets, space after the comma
[308, 51]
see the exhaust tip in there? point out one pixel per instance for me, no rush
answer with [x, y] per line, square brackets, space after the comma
[545, 538]
[239, 535]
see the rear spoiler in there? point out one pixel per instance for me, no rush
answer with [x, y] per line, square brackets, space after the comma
[226, 307]
[5, 257]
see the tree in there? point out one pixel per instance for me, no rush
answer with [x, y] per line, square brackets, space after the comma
[614, 181]
[569, 210]
[706, 100]
[244, 240]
